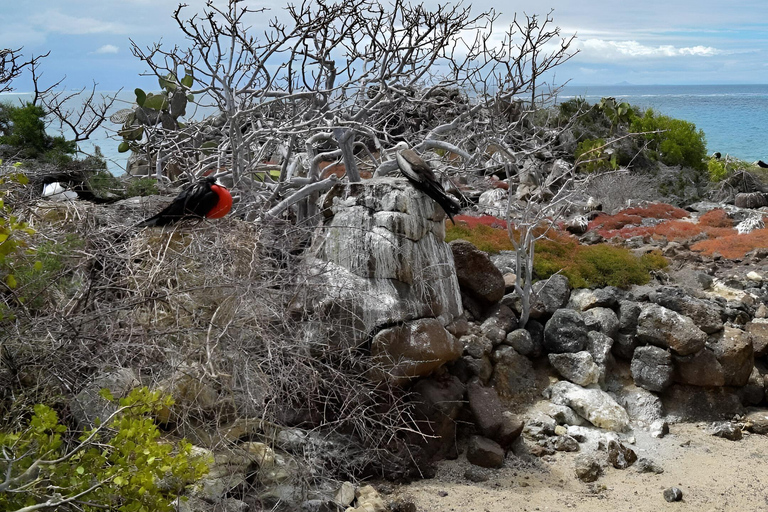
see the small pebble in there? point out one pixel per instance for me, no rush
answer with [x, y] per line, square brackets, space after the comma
[443, 494]
[673, 494]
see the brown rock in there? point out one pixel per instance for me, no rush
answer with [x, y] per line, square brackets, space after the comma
[484, 452]
[665, 328]
[699, 369]
[413, 350]
[478, 276]
[486, 408]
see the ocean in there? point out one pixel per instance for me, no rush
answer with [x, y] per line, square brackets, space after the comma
[730, 115]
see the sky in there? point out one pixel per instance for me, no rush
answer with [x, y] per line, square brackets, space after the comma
[648, 42]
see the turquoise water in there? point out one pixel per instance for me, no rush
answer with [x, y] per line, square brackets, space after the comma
[732, 116]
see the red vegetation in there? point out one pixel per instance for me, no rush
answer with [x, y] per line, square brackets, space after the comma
[716, 218]
[733, 246]
[634, 216]
[484, 220]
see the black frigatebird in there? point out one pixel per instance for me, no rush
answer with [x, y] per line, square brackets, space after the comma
[422, 178]
[207, 198]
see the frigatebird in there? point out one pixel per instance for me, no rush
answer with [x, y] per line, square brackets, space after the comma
[207, 198]
[418, 172]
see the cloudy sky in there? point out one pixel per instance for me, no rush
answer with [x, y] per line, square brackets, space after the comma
[645, 42]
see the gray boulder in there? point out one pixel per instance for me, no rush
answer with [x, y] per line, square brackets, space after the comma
[705, 314]
[578, 367]
[584, 299]
[624, 346]
[594, 405]
[733, 349]
[758, 329]
[603, 320]
[522, 341]
[565, 332]
[501, 321]
[550, 295]
[693, 403]
[513, 375]
[629, 311]
[666, 328]
[652, 368]
[437, 404]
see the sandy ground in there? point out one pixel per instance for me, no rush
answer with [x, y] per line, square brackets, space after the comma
[714, 474]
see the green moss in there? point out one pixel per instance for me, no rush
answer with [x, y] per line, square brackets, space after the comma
[485, 238]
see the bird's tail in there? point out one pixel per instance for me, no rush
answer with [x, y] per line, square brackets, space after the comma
[150, 222]
[449, 205]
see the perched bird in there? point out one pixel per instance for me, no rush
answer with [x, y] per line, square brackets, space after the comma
[422, 178]
[205, 199]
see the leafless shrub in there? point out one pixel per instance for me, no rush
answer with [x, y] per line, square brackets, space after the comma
[616, 189]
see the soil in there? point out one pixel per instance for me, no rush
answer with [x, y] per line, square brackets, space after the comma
[713, 473]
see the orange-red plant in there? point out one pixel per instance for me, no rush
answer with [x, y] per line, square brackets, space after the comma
[716, 218]
[733, 246]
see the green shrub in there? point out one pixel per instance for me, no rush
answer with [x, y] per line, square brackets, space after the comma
[676, 142]
[120, 465]
[24, 129]
[141, 187]
[592, 155]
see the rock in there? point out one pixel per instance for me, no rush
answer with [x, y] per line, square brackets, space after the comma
[750, 200]
[193, 504]
[579, 367]
[753, 392]
[345, 495]
[564, 443]
[501, 321]
[511, 428]
[594, 405]
[513, 375]
[587, 467]
[475, 474]
[368, 500]
[734, 352]
[673, 494]
[629, 311]
[641, 405]
[699, 369]
[624, 346]
[644, 465]
[484, 452]
[762, 311]
[493, 202]
[756, 422]
[486, 408]
[88, 404]
[382, 260]
[585, 299]
[603, 320]
[663, 327]
[659, 429]
[758, 329]
[437, 403]
[509, 282]
[536, 330]
[477, 276]
[726, 430]
[652, 368]
[505, 261]
[754, 276]
[413, 350]
[476, 346]
[692, 403]
[620, 456]
[550, 295]
[565, 332]
[599, 346]
[705, 314]
[561, 414]
[522, 342]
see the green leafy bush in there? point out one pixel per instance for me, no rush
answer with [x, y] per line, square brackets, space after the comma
[673, 141]
[119, 465]
[592, 155]
[24, 129]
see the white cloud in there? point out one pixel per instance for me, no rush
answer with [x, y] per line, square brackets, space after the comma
[615, 50]
[108, 48]
[56, 21]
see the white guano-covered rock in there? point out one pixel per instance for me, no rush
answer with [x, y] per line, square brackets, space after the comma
[382, 259]
[594, 405]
